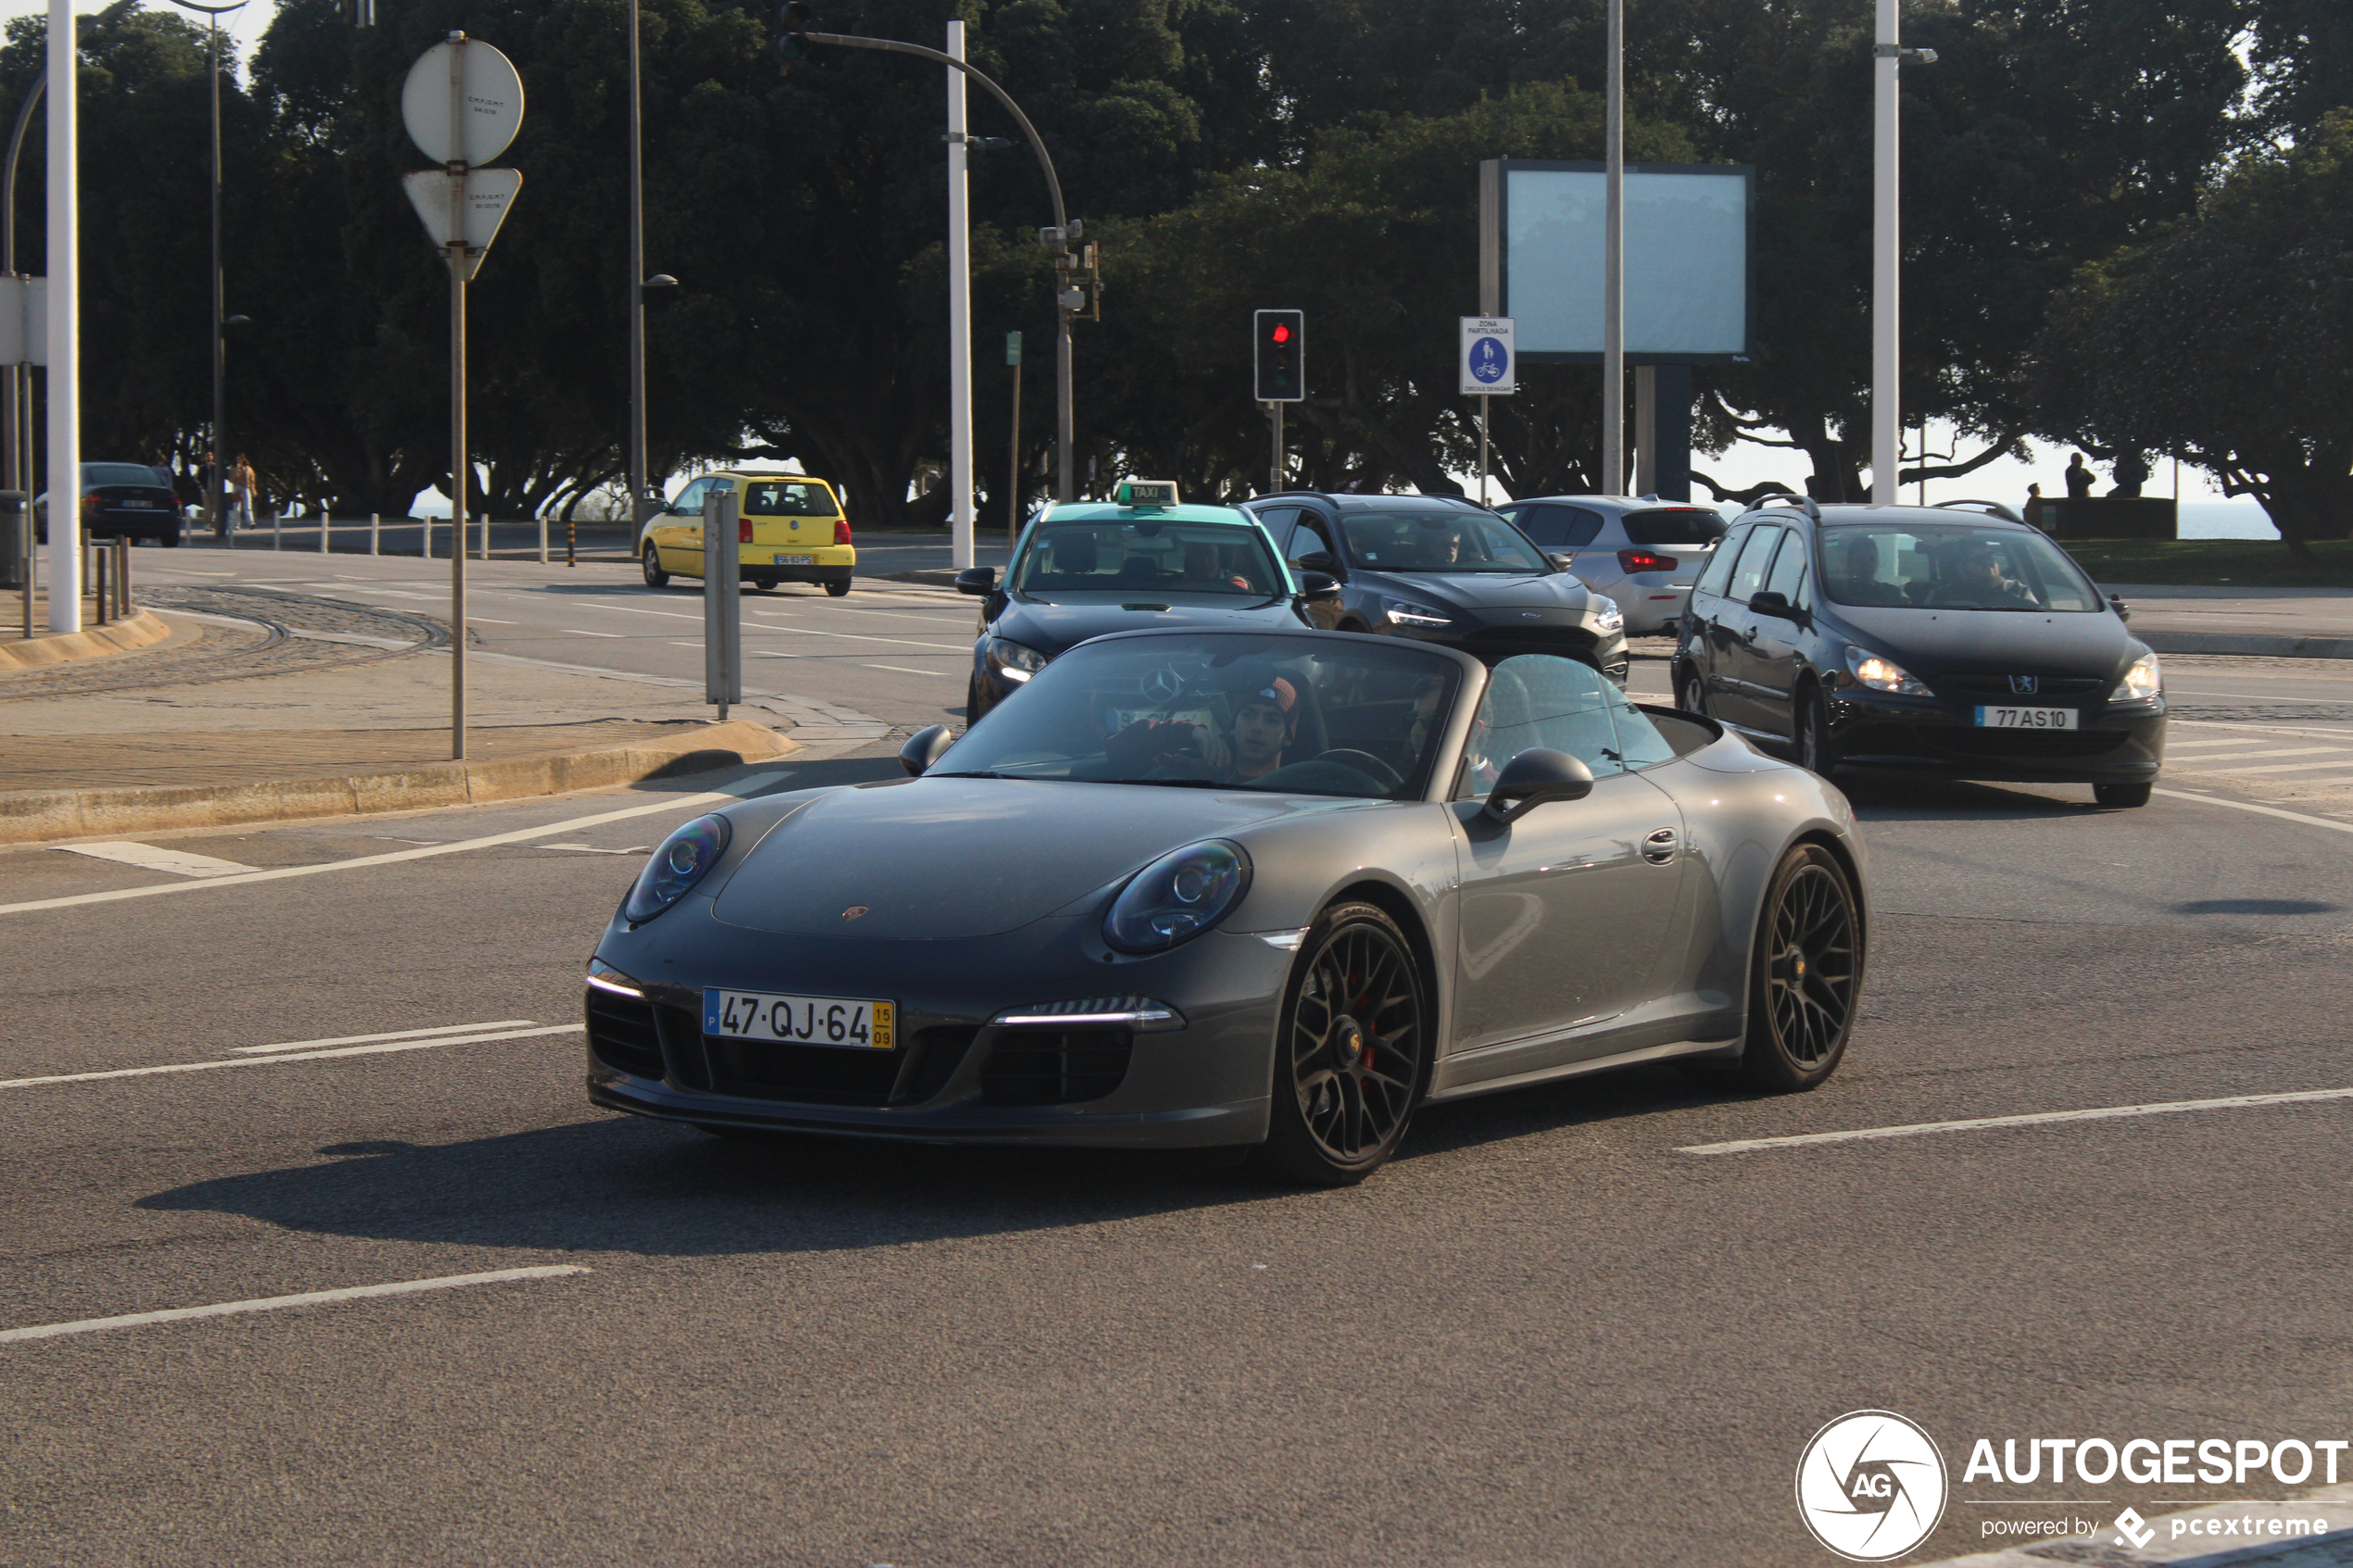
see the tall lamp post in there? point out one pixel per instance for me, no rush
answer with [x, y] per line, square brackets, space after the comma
[214, 501]
[1887, 417]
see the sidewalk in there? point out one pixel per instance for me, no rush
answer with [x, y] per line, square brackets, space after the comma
[216, 727]
[2262, 623]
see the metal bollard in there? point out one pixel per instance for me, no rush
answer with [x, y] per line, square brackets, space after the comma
[98, 585]
[543, 538]
[277, 530]
[375, 526]
[326, 521]
[122, 577]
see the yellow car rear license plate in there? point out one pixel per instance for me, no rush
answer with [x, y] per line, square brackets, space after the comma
[794, 560]
[847, 1023]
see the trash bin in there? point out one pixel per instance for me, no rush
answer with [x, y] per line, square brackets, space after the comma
[13, 525]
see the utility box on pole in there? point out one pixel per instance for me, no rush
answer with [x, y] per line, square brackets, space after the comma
[722, 600]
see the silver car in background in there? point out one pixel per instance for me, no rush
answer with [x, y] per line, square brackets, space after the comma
[1644, 552]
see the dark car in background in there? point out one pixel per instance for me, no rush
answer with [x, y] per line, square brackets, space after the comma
[1921, 640]
[132, 501]
[1442, 570]
[1644, 552]
[1087, 569]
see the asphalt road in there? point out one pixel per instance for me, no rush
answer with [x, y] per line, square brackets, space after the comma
[1549, 1334]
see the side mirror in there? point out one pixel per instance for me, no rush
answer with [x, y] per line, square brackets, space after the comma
[1561, 559]
[2123, 611]
[977, 581]
[1318, 586]
[1534, 777]
[1318, 561]
[1771, 603]
[925, 748]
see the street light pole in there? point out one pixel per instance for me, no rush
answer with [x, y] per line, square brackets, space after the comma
[1887, 426]
[1061, 231]
[1613, 260]
[637, 295]
[215, 499]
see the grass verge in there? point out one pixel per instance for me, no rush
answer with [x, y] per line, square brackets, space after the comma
[2219, 563]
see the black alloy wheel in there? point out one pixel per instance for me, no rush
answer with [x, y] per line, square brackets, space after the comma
[1815, 752]
[838, 589]
[1352, 1052]
[765, 584]
[655, 576]
[1806, 975]
[2122, 797]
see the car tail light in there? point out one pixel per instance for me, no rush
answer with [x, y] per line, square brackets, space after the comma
[743, 531]
[1632, 561]
[841, 531]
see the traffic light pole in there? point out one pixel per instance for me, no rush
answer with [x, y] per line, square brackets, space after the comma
[1061, 226]
[1275, 474]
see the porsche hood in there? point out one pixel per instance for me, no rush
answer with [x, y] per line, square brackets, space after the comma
[944, 858]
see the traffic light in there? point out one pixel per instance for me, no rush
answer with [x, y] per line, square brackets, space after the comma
[1281, 358]
[793, 18]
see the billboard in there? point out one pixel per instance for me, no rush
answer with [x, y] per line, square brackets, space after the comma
[1688, 284]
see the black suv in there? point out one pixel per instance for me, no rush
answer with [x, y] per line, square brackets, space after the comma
[1442, 570]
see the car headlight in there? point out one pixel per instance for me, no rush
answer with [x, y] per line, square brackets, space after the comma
[1177, 897]
[1013, 662]
[1882, 674]
[1405, 612]
[1607, 616]
[683, 859]
[2143, 682]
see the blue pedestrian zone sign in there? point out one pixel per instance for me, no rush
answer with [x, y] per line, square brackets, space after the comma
[1484, 364]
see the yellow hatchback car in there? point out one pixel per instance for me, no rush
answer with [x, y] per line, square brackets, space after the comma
[789, 528]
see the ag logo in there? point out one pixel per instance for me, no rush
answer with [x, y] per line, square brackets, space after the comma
[1870, 1485]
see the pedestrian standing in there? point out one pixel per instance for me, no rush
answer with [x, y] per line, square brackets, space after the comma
[2132, 471]
[2079, 478]
[220, 519]
[241, 482]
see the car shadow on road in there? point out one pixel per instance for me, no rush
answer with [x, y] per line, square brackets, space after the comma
[632, 1185]
[1954, 800]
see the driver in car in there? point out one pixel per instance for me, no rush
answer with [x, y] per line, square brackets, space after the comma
[1264, 721]
[1975, 579]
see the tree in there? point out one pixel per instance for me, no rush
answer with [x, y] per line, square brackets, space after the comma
[2227, 340]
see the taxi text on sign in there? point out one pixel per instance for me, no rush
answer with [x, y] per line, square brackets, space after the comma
[1485, 363]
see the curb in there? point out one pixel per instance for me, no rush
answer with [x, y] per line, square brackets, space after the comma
[34, 816]
[139, 630]
[2253, 646]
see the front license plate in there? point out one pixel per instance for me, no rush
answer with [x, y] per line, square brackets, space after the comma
[798, 1020]
[146, 504]
[2026, 718]
[794, 560]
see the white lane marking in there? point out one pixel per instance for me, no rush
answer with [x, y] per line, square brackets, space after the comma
[492, 620]
[2262, 730]
[2226, 765]
[736, 791]
[862, 637]
[2269, 697]
[592, 849]
[632, 610]
[767, 653]
[2241, 806]
[578, 633]
[392, 1035]
[2174, 745]
[2036, 1119]
[288, 1056]
[308, 1298]
[895, 615]
[2266, 751]
[902, 670]
[149, 856]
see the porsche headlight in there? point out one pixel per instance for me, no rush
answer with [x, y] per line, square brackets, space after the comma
[2143, 682]
[1177, 897]
[1405, 612]
[1884, 674]
[683, 859]
[1011, 661]
[1607, 616]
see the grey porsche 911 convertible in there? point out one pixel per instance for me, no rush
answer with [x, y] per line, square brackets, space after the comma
[1276, 889]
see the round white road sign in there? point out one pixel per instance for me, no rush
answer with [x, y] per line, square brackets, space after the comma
[492, 102]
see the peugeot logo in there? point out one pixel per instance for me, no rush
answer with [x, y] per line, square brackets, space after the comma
[853, 912]
[2025, 686]
[1531, 615]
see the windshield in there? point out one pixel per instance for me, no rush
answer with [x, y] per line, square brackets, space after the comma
[788, 497]
[1148, 555]
[1673, 525]
[120, 474]
[1439, 541]
[1356, 717]
[1938, 567]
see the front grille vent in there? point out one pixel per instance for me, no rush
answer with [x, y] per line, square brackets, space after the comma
[621, 1032]
[1055, 1066]
[2025, 743]
[2044, 686]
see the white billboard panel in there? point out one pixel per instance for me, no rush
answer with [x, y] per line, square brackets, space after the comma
[1687, 260]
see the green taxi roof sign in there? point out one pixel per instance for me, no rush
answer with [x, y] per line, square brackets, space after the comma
[1145, 492]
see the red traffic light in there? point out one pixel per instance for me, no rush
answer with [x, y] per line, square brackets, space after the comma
[1281, 332]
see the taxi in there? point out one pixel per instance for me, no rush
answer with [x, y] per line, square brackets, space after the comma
[789, 528]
